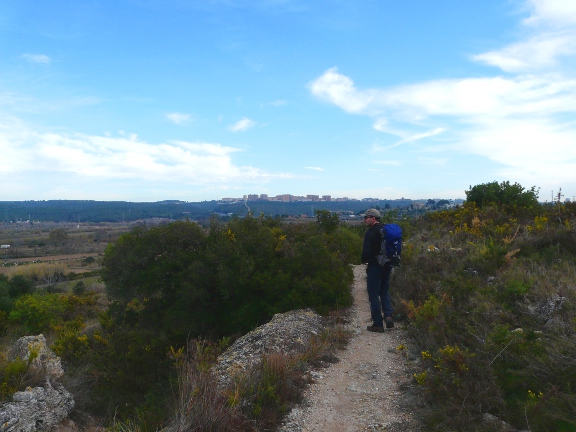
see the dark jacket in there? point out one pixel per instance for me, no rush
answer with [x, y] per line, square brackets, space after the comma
[372, 243]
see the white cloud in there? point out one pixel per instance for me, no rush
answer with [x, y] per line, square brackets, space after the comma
[314, 168]
[37, 58]
[19, 103]
[522, 122]
[553, 27]
[494, 97]
[538, 52]
[416, 137]
[242, 125]
[179, 118]
[340, 90]
[507, 120]
[30, 153]
[541, 149]
[555, 13]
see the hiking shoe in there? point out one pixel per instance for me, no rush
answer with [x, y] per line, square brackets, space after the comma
[389, 323]
[376, 329]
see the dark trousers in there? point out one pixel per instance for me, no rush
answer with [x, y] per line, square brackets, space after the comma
[378, 284]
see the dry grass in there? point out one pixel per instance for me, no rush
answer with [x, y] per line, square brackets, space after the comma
[41, 273]
[258, 399]
[201, 405]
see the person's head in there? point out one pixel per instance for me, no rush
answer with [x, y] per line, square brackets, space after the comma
[371, 217]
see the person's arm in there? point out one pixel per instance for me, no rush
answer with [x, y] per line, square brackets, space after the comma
[366, 248]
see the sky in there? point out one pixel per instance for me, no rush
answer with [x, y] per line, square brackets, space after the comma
[150, 100]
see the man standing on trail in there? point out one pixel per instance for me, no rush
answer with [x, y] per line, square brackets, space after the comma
[377, 277]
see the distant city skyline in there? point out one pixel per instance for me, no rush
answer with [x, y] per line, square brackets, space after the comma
[151, 100]
[315, 198]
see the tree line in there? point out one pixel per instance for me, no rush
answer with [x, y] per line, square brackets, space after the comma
[73, 211]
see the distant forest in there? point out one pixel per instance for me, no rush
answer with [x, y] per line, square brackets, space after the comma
[123, 211]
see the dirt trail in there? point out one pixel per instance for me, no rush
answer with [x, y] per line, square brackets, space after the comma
[371, 387]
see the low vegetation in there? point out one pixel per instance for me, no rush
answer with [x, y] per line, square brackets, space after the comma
[172, 283]
[489, 292]
[486, 289]
[257, 399]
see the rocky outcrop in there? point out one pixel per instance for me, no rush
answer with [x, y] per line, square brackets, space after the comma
[544, 310]
[42, 360]
[287, 333]
[39, 408]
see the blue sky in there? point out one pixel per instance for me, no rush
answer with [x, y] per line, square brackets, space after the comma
[146, 100]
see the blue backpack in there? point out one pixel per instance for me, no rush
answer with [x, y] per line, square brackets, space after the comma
[391, 246]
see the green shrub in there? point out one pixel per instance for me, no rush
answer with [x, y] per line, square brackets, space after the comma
[16, 375]
[346, 244]
[41, 312]
[238, 275]
[498, 289]
[494, 193]
[38, 312]
[12, 376]
[19, 285]
[79, 288]
[327, 221]
[69, 343]
[177, 281]
[11, 289]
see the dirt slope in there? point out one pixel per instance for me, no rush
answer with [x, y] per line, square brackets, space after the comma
[370, 389]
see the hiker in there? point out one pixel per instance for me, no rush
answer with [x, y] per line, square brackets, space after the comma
[377, 277]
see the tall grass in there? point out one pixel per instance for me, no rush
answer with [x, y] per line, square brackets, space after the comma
[257, 399]
[201, 405]
[41, 273]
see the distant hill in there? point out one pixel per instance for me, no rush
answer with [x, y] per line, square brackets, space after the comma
[119, 211]
[101, 211]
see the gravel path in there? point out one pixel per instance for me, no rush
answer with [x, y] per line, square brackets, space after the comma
[370, 389]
